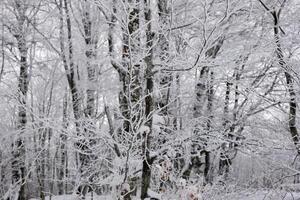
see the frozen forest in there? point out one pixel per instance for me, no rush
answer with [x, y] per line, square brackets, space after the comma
[149, 99]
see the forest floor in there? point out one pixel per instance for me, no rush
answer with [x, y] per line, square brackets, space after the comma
[246, 195]
[261, 195]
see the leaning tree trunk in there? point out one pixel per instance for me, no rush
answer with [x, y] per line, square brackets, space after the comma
[289, 81]
[287, 73]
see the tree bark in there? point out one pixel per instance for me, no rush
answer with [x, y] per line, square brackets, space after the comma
[90, 53]
[70, 69]
[289, 81]
[149, 103]
[63, 167]
[18, 163]
[166, 77]
[131, 80]
[204, 96]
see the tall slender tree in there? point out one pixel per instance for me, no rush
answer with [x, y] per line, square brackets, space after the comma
[20, 32]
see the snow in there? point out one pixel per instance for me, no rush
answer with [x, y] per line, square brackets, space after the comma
[73, 197]
[144, 129]
[259, 195]
[126, 187]
[243, 195]
[182, 183]
[154, 194]
[274, 196]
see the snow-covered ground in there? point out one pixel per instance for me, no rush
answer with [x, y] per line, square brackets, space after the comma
[261, 195]
[258, 195]
[73, 197]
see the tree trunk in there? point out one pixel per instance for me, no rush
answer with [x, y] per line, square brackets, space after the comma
[289, 81]
[90, 53]
[166, 77]
[149, 104]
[204, 96]
[63, 167]
[90, 39]
[75, 96]
[223, 162]
[18, 163]
[131, 80]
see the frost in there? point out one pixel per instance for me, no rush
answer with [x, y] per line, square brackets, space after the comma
[181, 183]
[126, 187]
[144, 129]
[154, 194]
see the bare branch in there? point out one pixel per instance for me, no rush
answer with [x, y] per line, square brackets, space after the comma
[264, 5]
